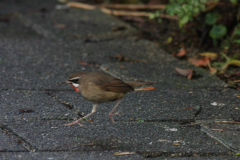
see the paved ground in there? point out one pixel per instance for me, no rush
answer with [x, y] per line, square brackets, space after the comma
[41, 46]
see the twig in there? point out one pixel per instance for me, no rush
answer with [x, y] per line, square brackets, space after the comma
[134, 13]
[235, 81]
[117, 12]
[192, 124]
[80, 5]
[227, 122]
[216, 129]
[123, 153]
[125, 13]
[132, 6]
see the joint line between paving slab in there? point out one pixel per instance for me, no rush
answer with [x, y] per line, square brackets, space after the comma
[210, 134]
[18, 139]
[33, 89]
[180, 154]
[35, 27]
[107, 36]
[66, 104]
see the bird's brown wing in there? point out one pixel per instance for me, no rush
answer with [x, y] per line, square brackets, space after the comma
[118, 86]
[111, 84]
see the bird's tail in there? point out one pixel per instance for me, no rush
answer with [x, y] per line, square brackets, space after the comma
[145, 89]
[136, 84]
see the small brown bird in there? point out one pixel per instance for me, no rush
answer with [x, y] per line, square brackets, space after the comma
[99, 88]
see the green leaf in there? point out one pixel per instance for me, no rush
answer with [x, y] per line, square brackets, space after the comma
[211, 18]
[151, 16]
[232, 62]
[171, 10]
[236, 31]
[86, 118]
[218, 31]
[234, 1]
[140, 120]
[237, 154]
[159, 20]
[237, 41]
[157, 13]
[185, 7]
[202, 7]
[228, 59]
[183, 20]
[235, 56]
[196, 3]
[203, 1]
[196, 10]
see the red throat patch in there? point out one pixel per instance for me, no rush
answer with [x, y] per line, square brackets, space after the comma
[76, 89]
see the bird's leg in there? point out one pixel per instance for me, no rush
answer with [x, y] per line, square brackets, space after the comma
[77, 121]
[111, 112]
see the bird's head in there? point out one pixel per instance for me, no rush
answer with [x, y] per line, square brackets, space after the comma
[74, 81]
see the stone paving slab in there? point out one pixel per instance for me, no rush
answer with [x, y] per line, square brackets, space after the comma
[8, 144]
[140, 137]
[136, 105]
[42, 63]
[196, 157]
[84, 24]
[91, 155]
[32, 63]
[225, 133]
[165, 104]
[11, 6]
[164, 73]
[21, 105]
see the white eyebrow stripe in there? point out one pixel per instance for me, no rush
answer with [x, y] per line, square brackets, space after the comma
[74, 78]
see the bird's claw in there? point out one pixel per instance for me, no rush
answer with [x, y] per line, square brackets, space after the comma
[111, 116]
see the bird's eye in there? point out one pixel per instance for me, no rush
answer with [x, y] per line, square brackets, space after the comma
[74, 80]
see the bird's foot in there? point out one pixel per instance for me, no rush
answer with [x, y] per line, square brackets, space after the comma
[75, 122]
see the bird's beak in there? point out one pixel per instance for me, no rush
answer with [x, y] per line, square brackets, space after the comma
[59, 83]
[66, 81]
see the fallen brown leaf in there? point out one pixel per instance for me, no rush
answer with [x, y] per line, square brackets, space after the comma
[186, 73]
[200, 63]
[91, 64]
[119, 28]
[212, 70]
[182, 52]
[122, 58]
[25, 111]
[60, 25]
